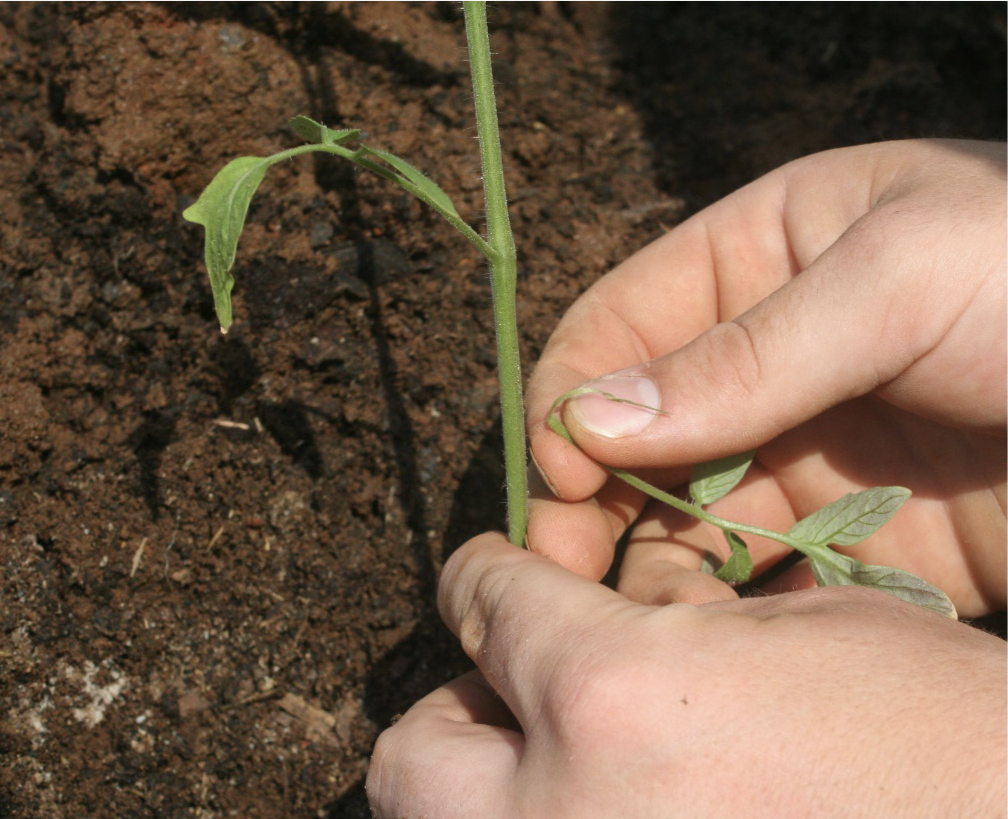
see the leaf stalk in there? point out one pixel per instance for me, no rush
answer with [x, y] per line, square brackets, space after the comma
[453, 218]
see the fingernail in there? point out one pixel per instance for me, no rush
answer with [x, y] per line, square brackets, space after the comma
[617, 419]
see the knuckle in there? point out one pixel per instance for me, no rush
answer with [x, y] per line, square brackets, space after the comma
[626, 677]
[732, 354]
[623, 666]
[483, 600]
[495, 613]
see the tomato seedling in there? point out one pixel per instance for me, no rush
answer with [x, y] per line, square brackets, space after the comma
[222, 208]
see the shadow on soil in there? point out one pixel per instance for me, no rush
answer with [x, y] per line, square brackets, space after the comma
[430, 656]
[918, 71]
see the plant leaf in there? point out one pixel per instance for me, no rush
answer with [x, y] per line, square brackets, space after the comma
[840, 570]
[738, 567]
[905, 586]
[715, 479]
[318, 133]
[221, 209]
[312, 131]
[412, 175]
[852, 518]
[831, 569]
[223, 205]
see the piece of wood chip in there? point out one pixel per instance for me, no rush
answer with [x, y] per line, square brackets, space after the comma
[319, 725]
[138, 556]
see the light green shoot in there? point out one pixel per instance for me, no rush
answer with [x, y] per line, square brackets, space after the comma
[844, 522]
[222, 208]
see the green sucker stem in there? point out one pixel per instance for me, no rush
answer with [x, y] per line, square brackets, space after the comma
[828, 566]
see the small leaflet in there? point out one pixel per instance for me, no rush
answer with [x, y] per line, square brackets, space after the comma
[312, 131]
[852, 518]
[715, 479]
[834, 569]
[738, 567]
[221, 210]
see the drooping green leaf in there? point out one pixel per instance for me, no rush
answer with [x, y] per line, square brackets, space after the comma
[852, 518]
[738, 567]
[412, 175]
[904, 585]
[223, 205]
[835, 569]
[312, 131]
[715, 479]
[221, 210]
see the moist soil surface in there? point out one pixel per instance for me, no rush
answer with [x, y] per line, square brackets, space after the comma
[218, 555]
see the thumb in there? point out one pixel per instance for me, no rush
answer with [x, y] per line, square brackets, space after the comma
[836, 331]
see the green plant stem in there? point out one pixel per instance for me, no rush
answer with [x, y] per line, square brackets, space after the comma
[701, 514]
[821, 553]
[503, 271]
[693, 510]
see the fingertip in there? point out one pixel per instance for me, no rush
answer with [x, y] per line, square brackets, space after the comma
[577, 536]
[518, 615]
[567, 471]
[459, 746]
[614, 406]
[662, 565]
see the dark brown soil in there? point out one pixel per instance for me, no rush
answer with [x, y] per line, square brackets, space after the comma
[218, 556]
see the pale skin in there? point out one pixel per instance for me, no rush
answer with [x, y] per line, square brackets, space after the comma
[845, 315]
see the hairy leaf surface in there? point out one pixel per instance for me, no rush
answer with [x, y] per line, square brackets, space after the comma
[852, 518]
[834, 569]
[221, 210]
[738, 567]
[715, 479]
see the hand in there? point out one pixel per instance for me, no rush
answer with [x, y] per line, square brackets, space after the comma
[831, 702]
[846, 315]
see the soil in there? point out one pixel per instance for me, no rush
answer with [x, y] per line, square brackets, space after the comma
[219, 554]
